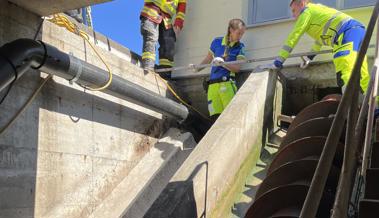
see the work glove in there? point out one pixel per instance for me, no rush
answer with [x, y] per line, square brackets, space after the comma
[278, 64]
[192, 68]
[217, 61]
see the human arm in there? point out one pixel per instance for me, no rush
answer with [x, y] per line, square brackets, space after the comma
[180, 15]
[207, 60]
[293, 38]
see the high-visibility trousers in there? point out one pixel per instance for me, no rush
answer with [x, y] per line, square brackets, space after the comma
[345, 53]
[219, 96]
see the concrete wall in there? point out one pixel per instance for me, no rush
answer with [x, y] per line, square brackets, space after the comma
[221, 161]
[67, 153]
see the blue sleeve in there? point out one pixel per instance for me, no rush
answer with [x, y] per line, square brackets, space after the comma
[212, 49]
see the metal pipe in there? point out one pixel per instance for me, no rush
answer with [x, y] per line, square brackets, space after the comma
[372, 106]
[370, 119]
[18, 56]
[343, 194]
[313, 198]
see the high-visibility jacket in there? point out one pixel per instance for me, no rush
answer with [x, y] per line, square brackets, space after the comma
[319, 22]
[165, 10]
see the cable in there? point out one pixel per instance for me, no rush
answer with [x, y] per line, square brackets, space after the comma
[23, 108]
[169, 87]
[10, 85]
[62, 21]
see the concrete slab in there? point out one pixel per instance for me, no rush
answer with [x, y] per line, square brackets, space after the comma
[47, 7]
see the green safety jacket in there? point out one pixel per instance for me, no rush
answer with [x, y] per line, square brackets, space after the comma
[319, 22]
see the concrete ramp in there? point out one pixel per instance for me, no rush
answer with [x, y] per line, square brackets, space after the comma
[207, 181]
[137, 192]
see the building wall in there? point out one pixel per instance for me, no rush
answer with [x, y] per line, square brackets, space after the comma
[71, 148]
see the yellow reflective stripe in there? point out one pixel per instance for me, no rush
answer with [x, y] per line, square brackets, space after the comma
[156, 2]
[165, 62]
[148, 55]
[180, 15]
[151, 12]
[169, 8]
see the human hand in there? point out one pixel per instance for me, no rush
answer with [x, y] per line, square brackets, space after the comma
[217, 61]
[177, 30]
[278, 64]
[192, 68]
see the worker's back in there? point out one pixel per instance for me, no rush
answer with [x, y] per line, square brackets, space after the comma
[324, 22]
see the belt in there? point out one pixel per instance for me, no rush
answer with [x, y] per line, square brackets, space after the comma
[222, 79]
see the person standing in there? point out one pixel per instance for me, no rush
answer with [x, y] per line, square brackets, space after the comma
[161, 21]
[222, 87]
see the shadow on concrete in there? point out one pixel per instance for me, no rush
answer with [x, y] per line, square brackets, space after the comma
[19, 144]
[178, 200]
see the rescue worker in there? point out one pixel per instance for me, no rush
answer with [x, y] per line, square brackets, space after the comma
[328, 27]
[222, 86]
[157, 25]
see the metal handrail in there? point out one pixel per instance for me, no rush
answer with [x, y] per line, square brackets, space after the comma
[347, 104]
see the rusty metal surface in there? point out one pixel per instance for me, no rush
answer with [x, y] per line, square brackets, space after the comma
[281, 198]
[286, 201]
[307, 147]
[312, 127]
[318, 109]
[295, 172]
[283, 191]
[335, 97]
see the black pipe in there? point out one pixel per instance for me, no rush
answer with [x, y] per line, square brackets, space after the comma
[17, 57]
[20, 55]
